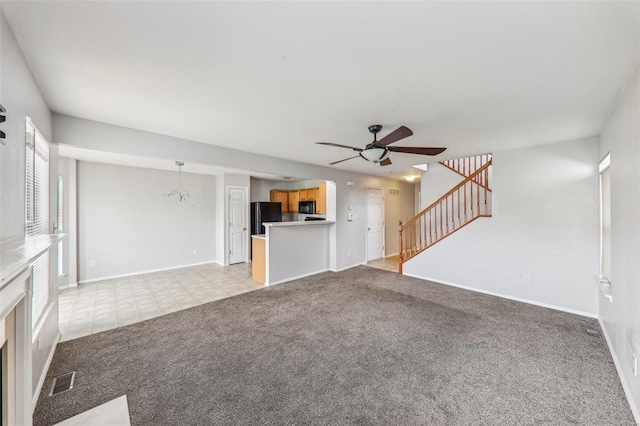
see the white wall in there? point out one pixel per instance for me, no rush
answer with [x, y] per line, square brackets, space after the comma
[544, 225]
[351, 236]
[260, 189]
[436, 182]
[21, 97]
[621, 316]
[127, 225]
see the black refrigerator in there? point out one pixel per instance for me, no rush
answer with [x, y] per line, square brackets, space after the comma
[264, 212]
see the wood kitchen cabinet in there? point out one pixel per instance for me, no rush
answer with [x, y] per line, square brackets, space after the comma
[294, 198]
[279, 196]
[321, 199]
[309, 194]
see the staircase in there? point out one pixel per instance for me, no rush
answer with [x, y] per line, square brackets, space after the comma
[464, 203]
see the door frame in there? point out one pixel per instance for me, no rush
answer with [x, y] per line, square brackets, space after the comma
[227, 229]
[384, 222]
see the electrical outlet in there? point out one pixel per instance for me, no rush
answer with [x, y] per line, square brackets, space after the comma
[349, 253]
[527, 279]
[195, 251]
[92, 263]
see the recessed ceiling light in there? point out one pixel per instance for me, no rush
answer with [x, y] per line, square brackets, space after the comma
[410, 178]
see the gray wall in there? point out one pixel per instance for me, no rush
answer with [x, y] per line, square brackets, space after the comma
[351, 236]
[544, 225]
[127, 225]
[21, 97]
[621, 316]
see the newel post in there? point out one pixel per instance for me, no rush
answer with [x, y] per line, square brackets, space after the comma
[400, 248]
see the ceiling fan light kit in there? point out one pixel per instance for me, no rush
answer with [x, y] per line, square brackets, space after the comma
[375, 155]
[378, 150]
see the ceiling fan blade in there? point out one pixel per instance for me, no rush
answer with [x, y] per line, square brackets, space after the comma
[385, 162]
[339, 146]
[399, 133]
[340, 161]
[416, 150]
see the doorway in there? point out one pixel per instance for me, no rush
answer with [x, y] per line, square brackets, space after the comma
[238, 223]
[375, 223]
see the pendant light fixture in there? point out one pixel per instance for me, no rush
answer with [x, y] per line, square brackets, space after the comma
[181, 194]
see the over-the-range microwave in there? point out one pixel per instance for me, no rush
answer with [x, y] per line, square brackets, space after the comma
[307, 207]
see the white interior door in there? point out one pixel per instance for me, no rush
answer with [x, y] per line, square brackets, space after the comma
[375, 223]
[238, 225]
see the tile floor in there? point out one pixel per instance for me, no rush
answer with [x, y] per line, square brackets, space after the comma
[103, 305]
[388, 264]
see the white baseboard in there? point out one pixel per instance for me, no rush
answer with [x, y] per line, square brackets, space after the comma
[45, 370]
[296, 277]
[348, 267]
[505, 296]
[70, 285]
[150, 271]
[625, 385]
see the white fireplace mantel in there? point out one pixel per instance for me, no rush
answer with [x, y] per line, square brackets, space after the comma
[16, 257]
[17, 254]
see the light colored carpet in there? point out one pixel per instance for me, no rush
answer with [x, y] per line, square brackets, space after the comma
[363, 346]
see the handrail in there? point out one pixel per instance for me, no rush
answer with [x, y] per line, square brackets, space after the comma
[468, 165]
[461, 205]
[454, 189]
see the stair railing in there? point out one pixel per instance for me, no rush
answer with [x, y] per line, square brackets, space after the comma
[463, 204]
[468, 166]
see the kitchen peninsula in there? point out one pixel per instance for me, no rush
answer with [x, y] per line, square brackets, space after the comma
[291, 250]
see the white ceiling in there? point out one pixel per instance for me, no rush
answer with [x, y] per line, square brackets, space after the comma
[275, 77]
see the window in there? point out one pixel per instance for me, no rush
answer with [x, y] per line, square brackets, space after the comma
[605, 220]
[37, 211]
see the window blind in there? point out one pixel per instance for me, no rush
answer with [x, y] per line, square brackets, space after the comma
[37, 212]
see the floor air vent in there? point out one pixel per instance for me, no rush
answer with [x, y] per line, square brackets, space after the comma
[592, 332]
[62, 383]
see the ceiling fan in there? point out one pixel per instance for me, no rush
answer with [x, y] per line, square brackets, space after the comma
[378, 150]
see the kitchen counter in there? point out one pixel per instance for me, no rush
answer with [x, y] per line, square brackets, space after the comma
[296, 249]
[300, 223]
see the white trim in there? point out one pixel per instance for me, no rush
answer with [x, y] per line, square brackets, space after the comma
[392, 254]
[47, 364]
[66, 286]
[625, 385]
[37, 327]
[247, 218]
[267, 284]
[146, 272]
[504, 296]
[348, 267]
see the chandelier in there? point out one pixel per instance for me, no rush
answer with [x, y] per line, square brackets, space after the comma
[181, 194]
